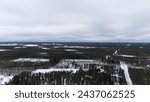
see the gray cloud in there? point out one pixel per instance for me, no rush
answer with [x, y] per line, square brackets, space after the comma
[75, 20]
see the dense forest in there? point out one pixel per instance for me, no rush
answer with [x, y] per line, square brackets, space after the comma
[19, 60]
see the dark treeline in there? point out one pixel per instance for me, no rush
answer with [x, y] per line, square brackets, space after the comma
[91, 77]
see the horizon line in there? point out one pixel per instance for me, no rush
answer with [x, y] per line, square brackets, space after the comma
[71, 42]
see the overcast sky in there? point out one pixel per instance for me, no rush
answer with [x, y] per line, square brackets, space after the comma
[75, 20]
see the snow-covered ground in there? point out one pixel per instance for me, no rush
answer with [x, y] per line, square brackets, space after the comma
[55, 70]
[44, 48]
[43, 53]
[9, 44]
[124, 67]
[17, 47]
[5, 79]
[31, 45]
[68, 66]
[30, 60]
[126, 55]
[71, 50]
[80, 47]
[115, 53]
[82, 62]
[72, 65]
[1, 50]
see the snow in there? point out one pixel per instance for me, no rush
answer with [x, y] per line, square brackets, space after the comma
[102, 70]
[43, 53]
[31, 60]
[126, 55]
[115, 53]
[115, 75]
[124, 67]
[71, 50]
[9, 44]
[55, 70]
[65, 81]
[68, 66]
[31, 45]
[80, 47]
[107, 56]
[19, 47]
[1, 50]
[44, 48]
[78, 61]
[5, 79]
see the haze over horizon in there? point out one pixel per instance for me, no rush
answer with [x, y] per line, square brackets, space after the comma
[75, 20]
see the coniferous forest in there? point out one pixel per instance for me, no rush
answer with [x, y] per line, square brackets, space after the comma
[74, 63]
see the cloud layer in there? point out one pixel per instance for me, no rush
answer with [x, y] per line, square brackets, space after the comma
[75, 20]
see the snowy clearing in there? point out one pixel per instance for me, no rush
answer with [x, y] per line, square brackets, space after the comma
[124, 67]
[10, 44]
[80, 47]
[126, 55]
[44, 48]
[71, 50]
[19, 47]
[43, 53]
[115, 53]
[55, 70]
[31, 45]
[1, 50]
[5, 79]
[31, 60]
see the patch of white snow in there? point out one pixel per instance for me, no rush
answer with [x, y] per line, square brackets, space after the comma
[124, 67]
[31, 60]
